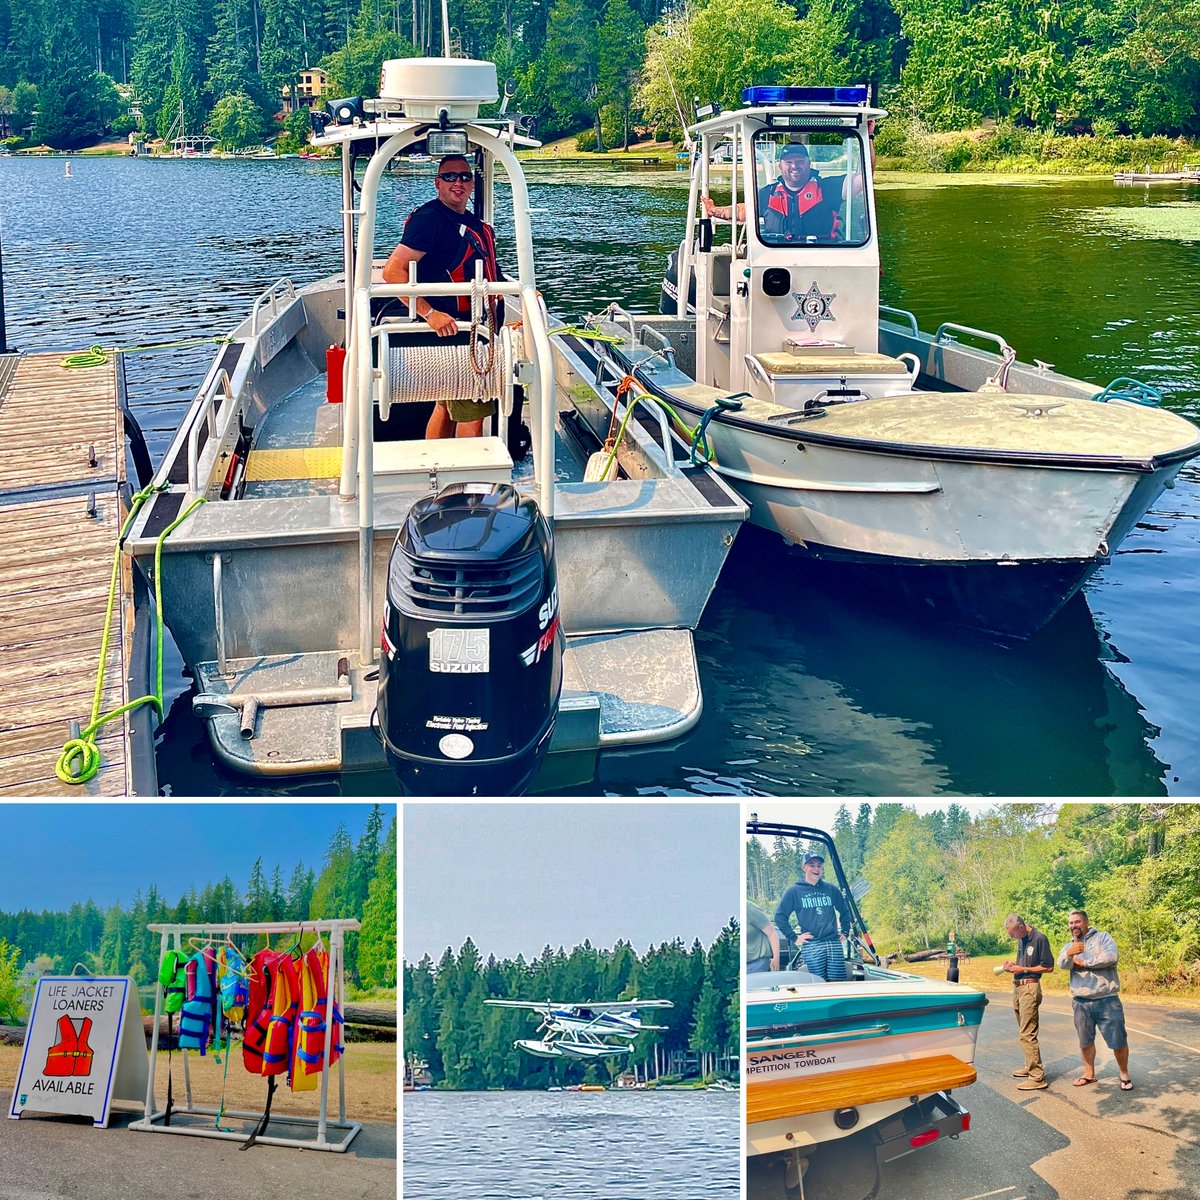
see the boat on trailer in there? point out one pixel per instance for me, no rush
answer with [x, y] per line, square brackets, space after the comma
[937, 464]
[882, 1051]
[349, 595]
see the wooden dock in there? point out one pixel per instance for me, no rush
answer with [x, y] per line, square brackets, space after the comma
[62, 465]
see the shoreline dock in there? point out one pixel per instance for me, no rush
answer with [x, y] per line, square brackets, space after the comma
[62, 475]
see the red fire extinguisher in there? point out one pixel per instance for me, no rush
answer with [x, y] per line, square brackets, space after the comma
[335, 369]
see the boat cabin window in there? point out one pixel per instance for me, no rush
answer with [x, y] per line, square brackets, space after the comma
[811, 187]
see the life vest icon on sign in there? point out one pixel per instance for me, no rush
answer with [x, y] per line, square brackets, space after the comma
[71, 1054]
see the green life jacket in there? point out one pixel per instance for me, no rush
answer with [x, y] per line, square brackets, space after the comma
[172, 976]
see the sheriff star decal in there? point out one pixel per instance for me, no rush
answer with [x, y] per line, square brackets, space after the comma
[813, 306]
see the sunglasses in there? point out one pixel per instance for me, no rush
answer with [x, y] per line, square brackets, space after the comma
[457, 176]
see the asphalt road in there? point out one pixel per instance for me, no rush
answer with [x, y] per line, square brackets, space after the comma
[1064, 1143]
[66, 1158]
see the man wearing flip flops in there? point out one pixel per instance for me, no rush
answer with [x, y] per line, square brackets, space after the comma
[1091, 958]
[1034, 959]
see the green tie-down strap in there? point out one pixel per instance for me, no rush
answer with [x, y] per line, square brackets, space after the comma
[1130, 389]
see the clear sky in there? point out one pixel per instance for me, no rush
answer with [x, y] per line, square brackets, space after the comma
[54, 854]
[516, 877]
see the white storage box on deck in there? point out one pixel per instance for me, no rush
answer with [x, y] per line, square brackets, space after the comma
[401, 466]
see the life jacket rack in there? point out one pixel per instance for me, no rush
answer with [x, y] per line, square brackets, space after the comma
[176, 937]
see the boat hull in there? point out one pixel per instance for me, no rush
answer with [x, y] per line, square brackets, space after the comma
[825, 1060]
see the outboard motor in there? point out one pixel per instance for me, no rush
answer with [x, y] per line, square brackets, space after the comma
[471, 667]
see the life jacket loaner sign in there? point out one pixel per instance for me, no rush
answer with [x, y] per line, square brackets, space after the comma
[71, 1054]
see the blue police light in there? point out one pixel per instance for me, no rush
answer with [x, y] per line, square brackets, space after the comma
[772, 94]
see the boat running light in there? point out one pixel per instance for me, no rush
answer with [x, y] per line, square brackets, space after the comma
[445, 142]
[759, 96]
[923, 1139]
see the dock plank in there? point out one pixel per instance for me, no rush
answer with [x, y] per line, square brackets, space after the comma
[55, 567]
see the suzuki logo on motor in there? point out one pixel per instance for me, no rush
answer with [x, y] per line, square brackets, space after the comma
[535, 652]
[549, 609]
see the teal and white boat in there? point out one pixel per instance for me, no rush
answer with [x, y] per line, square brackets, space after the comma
[881, 1051]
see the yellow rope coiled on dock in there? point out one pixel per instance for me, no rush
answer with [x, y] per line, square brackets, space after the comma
[80, 757]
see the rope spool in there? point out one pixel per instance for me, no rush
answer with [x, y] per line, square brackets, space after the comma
[413, 373]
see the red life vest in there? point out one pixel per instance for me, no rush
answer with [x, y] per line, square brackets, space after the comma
[71, 1054]
[271, 1014]
[810, 196]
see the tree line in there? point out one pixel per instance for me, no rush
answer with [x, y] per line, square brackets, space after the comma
[70, 71]
[469, 1046]
[1135, 868]
[356, 880]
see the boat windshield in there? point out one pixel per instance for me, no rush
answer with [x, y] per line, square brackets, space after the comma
[811, 187]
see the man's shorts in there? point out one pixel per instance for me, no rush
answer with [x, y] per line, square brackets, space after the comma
[756, 966]
[470, 410]
[1105, 1013]
[825, 959]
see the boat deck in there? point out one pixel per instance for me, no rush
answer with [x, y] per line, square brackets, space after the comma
[60, 514]
[855, 1088]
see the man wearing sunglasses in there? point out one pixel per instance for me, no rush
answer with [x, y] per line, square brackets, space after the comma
[446, 240]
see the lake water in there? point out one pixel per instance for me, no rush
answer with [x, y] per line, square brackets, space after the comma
[809, 688]
[560, 1145]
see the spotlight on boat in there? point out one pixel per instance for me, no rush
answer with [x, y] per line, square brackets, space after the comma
[318, 120]
[445, 142]
[471, 664]
[347, 112]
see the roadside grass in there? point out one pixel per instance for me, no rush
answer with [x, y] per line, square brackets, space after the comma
[370, 1082]
[977, 971]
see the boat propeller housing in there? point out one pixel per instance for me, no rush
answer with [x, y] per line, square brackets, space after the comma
[471, 665]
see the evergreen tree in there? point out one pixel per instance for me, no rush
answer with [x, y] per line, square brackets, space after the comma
[377, 942]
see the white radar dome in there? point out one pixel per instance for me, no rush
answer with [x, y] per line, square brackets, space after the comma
[427, 85]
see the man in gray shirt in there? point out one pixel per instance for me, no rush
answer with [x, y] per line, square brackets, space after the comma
[1091, 959]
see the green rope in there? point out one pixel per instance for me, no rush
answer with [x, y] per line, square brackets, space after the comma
[80, 757]
[97, 356]
[590, 335]
[1130, 389]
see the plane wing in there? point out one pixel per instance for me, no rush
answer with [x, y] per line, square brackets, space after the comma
[602, 1006]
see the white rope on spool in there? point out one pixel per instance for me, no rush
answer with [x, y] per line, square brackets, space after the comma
[412, 373]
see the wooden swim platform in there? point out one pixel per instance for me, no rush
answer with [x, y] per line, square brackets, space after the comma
[62, 464]
[855, 1088]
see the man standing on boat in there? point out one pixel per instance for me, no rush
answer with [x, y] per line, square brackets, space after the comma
[1034, 959]
[446, 240]
[1091, 958]
[817, 906]
[762, 941]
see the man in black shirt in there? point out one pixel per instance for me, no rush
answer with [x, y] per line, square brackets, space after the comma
[1034, 960]
[817, 907]
[446, 240]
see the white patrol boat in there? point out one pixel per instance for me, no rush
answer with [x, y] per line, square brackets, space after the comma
[991, 487]
[520, 607]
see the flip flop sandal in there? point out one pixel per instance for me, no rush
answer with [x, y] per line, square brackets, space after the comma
[1127, 1085]
[1084, 1080]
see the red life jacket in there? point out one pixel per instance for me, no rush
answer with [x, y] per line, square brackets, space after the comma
[71, 1054]
[806, 199]
[271, 1013]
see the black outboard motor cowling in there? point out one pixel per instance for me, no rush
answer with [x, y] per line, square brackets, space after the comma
[471, 667]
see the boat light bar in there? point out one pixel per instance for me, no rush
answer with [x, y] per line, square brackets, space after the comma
[786, 121]
[759, 96]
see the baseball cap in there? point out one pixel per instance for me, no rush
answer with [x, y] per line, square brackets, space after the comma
[812, 857]
[793, 148]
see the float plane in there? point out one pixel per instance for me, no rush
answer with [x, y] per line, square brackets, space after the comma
[586, 1031]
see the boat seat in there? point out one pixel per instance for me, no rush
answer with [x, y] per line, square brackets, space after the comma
[836, 362]
[857, 1087]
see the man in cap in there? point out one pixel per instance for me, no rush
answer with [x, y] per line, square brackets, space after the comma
[1034, 959]
[817, 907]
[1091, 958]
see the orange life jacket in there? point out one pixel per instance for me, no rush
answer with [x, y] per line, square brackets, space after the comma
[271, 1014]
[71, 1054]
[312, 1024]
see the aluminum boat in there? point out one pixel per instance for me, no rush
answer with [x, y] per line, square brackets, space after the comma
[936, 463]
